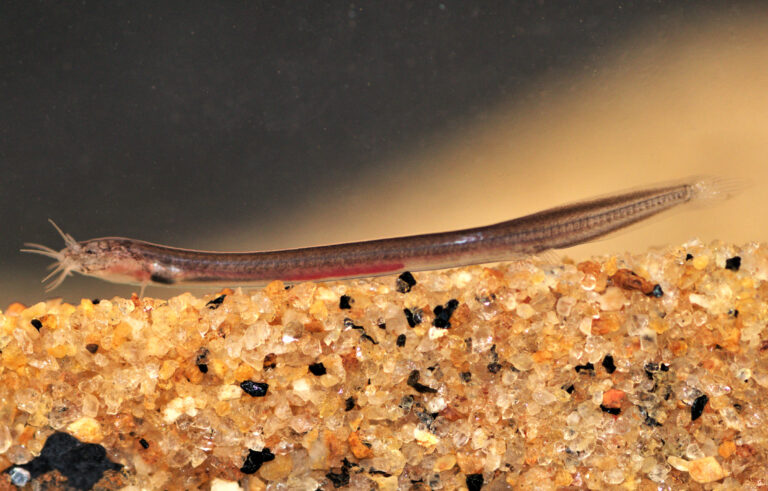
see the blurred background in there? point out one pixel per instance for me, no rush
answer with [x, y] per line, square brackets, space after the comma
[259, 125]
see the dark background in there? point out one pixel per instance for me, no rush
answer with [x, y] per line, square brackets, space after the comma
[168, 120]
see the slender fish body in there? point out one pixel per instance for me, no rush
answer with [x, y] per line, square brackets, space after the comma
[124, 260]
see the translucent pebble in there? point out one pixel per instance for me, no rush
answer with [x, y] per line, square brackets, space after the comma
[505, 400]
[595, 348]
[589, 282]
[543, 397]
[479, 439]
[589, 417]
[761, 378]
[436, 333]
[426, 438]
[197, 457]
[700, 262]
[492, 461]
[100, 360]
[565, 305]
[229, 392]
[700, 318]
[461, 278]
[522, 361]
[434, 405]
[569, 434]
[684, 318]
[613, 299]
[585, 326]
[648, 341]
[460, 439]
[509, 302]
[255, 335]
[301, 465]
[508, 377]
[482, 341]
[714, 389]
[28, 400]
[700, 300]
[113, 400]
[743, 374]
[24, 342]
[301, 423]
[708, 447]
[751, 332]
[525, 311]
[619, 426]
[283, 410]
[597, 398]
[19, 476]
[158, 479]
[678, 463]
[532, 409]
[307, 482]
[658, 473]
[86, 430]
[311, 347]
[125, 306]
[693, 452]
[233, 344]
[637, 325]
[5, 438]
[584, 446]
[302, 388]
[218, 484]
[254, 440]
[19, 454]
[731, 418]
[441, 283]
[573, 419]
[613, 476]
[179, 458]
